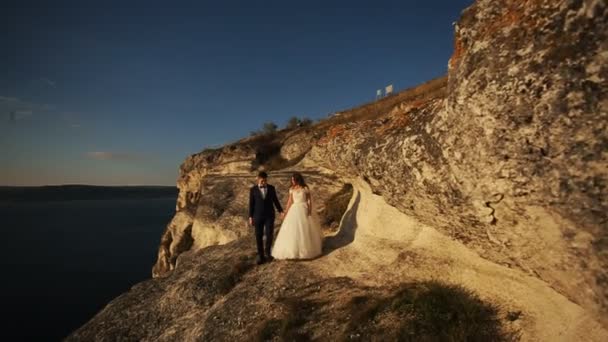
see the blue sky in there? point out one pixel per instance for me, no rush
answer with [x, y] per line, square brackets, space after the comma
[113, 94]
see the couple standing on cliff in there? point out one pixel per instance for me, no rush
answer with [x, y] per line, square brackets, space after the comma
[299, 236]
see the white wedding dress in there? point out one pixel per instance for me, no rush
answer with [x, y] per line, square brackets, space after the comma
[300, 236]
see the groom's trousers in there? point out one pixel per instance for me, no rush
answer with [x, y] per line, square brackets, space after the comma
[267, 223]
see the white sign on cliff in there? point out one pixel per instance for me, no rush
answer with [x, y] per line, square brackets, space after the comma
[388, 90]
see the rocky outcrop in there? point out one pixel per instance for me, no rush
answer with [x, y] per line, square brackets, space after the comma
[514, 160]
[234, 158]
[296, 145]
[376, 280]
[534, 77]
[219, 213]
[495, 180]
[229, 299]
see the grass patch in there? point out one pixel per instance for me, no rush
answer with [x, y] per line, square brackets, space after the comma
[435, 88]
[335, 207]
[268, 330]
[288, 328]
[237, 270]
[430, 311]
[451, 312]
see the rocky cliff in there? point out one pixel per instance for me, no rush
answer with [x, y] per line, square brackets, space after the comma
[492, 181]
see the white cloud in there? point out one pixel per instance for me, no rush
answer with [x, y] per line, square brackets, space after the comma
[122, 156]
[9, 99]
[17, 115]
[18, 104]
[71, 119]
[48, 82]
[16, 109]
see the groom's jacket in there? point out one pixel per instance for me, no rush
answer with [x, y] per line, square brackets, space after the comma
[263, 207]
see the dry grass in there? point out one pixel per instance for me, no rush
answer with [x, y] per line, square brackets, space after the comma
[432, 89]
[237, 270]
[267, 144]
[429, 311]
[288, 328]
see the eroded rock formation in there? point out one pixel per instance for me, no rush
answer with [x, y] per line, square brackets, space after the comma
[495, 180]
[514, 160]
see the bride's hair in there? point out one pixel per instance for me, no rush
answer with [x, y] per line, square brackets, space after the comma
[297, 177]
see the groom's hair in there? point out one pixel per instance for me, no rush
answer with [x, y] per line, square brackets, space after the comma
[263, 174]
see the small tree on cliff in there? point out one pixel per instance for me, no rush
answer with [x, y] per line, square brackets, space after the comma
[269, 128]
[305, 122]
[293, 122]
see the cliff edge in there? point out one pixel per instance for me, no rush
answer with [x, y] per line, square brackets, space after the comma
[491, 180]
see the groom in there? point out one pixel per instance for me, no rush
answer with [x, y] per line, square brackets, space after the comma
[261, 214]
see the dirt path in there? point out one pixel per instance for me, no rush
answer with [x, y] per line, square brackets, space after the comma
[379, 245]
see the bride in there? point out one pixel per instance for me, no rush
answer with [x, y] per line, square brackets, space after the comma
[299, 236]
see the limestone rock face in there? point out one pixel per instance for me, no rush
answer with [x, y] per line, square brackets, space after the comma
[218, 213]
[514, 161]
[532, 79]
[228, 299]
[506, 164]
[297, 145]
[373, 273]
[234, 158]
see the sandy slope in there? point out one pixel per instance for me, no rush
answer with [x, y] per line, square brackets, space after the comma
[379, 245]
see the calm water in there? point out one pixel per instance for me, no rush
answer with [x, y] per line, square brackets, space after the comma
[61, 262]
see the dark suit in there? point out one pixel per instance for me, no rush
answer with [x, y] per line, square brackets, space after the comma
[261, 209]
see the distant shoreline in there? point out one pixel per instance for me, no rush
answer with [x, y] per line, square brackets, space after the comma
[12, 194]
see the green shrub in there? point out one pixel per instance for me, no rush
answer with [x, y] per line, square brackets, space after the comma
[305, 122]
[293, 122]
[269, 128]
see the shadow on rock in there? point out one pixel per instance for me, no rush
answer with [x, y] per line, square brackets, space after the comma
[348, 228]
[428, 311]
